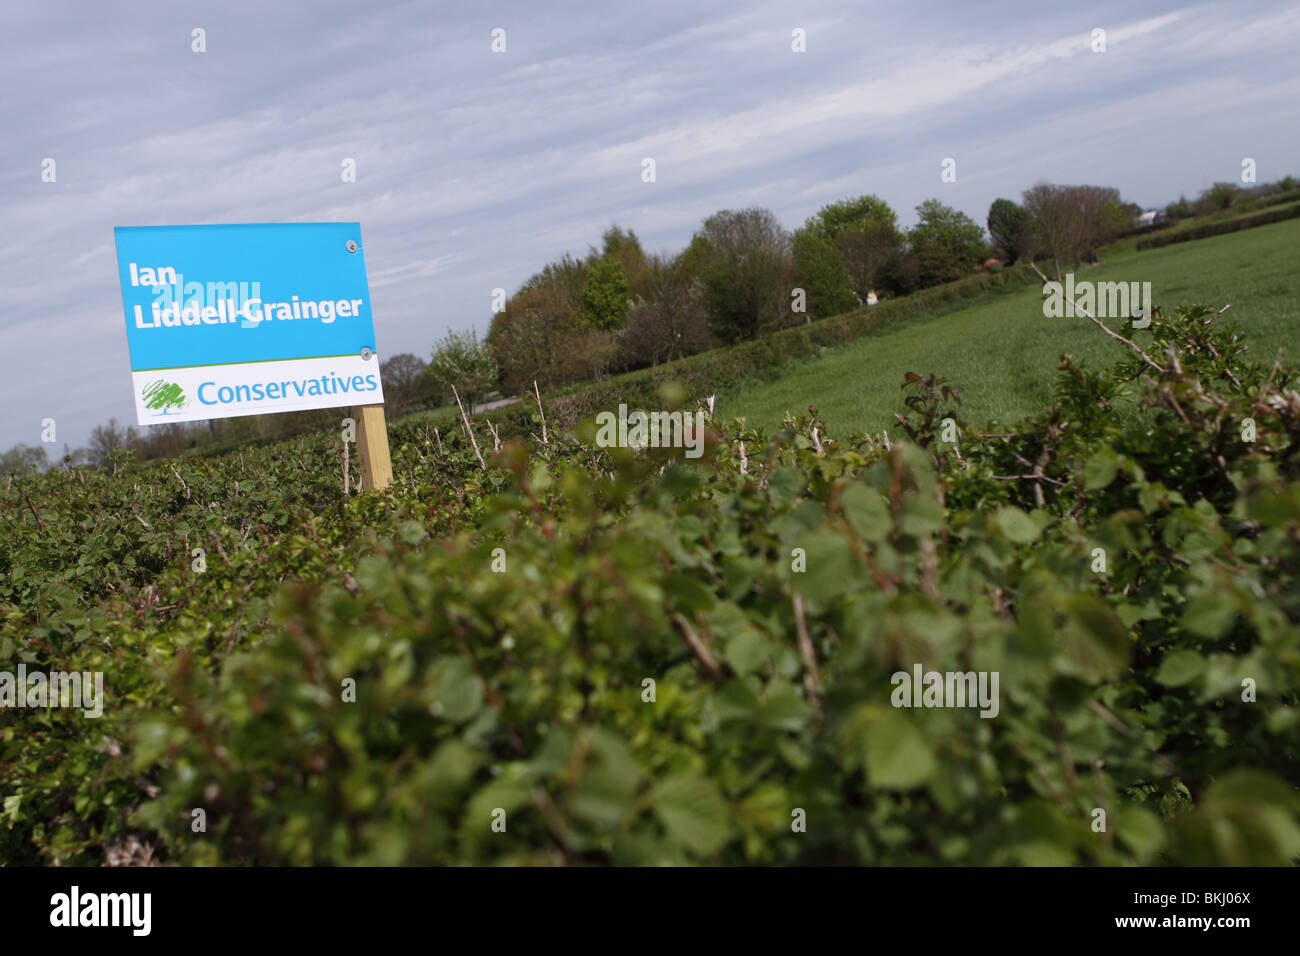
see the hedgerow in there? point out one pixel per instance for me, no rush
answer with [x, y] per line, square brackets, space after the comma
[622, 656]
[1221, 228]
[723, 368]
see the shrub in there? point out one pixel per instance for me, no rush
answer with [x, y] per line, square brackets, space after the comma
[1160, 687]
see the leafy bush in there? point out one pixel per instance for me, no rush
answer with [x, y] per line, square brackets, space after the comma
[463, 363]
[770, 591]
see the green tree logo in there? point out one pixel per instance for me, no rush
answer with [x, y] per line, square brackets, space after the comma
[162, 397]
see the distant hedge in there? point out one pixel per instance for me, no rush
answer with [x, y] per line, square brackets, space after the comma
[1221, 228]
[720, 369]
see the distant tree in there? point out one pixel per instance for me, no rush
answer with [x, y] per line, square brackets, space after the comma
[897, 276]
[1009, 228]
[23, 460]
[851, 215]
[669, 321]
[1180, 209]
[404, 381]
[541, 336]
[566, 277]
[949, 231]
[744, 260]
[73, 457]
[104, 440]
[460, 359]
[1286, 183]
[820, 271]
[866, 252]
[1217, 198]
[1071, 222]
[605, 295]
[865, 231]
[622, 246]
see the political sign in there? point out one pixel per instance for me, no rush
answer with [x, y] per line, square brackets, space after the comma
[246, 319]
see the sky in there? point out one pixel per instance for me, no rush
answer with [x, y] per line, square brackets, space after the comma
[475, 168]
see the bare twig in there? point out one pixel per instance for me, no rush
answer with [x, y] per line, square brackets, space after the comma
[1102, 325]
[345, 469]
[538, 396]
[39, 522]
[697, 646]
[438, 436]
[464, 418]
[496, 439]
[744, 462]
[806, 652]
[1026, 478]
[182, 481]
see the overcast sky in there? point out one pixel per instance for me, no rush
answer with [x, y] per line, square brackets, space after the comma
[476, 168]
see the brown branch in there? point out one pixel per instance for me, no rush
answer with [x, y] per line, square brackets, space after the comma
[697, 646]
[345, 469]
[468, 430]
[538, 396]
[182, 481]
[1102, 325]
[33, 510]
[808, 654]
[1026, 478]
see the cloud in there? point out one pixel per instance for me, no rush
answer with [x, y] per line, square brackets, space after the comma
[475, 169]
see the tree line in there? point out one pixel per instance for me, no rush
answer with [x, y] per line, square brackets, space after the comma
[742, 275]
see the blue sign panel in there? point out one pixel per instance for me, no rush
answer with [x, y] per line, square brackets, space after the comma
[271, 291]
[236, 298]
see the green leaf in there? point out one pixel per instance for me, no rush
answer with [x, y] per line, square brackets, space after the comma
[832, 569]
[1015, 525]
[1100, 469]
[1094, 643]
[784, 485]
[1210, 614]
[896, 754]
[456, 690]
[782, 708]
[606, 793]
[693, 813]
[412, 532]
[866, 512]
[1140, 830]
[922, 515]
[1180, 668]
[747, 651]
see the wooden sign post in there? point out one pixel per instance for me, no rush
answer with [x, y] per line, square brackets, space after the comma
[372, 447]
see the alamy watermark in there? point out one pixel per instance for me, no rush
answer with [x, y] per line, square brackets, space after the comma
[1104, 300]
[640, 429]
[946, 689]
[83, 689]
[133, 911]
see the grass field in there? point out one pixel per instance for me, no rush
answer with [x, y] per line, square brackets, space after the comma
[1001, 355]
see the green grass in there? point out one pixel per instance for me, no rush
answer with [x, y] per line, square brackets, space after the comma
[1001, 355]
